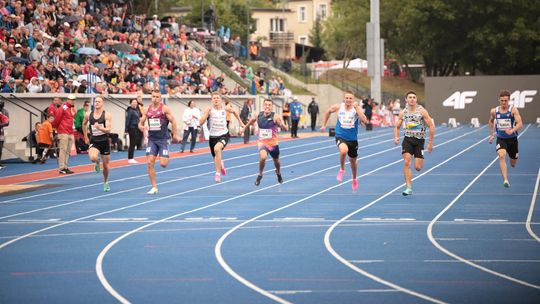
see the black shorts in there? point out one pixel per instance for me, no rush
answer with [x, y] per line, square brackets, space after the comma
[352, 146]
[508, 144]
[223, 139]
[103, 147]
[413, 146]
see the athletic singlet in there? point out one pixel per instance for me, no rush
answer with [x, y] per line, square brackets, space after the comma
[96, 134]
[347, 123]
[218, 122]
[415, 126]
[504, 121]
[157, 123]
[268, 134]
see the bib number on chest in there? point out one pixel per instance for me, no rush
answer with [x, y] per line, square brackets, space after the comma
[154, 124]
[265, 133]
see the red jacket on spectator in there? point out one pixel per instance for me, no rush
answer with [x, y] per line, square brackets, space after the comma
[30, 72]
[63, 119]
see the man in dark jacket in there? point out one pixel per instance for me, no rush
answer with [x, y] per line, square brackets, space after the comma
[133, 115]
[313, 110]
[245, 116]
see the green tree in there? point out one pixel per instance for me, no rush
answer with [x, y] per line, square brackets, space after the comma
[316, 33]
[344, 33]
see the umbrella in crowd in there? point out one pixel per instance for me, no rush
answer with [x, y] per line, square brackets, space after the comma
[71, 19]
[100, 65]
[88, 51]
[133, 57]
[165, 25]
[122, 47]
[173, 83]
[16, 59]
[89, 77]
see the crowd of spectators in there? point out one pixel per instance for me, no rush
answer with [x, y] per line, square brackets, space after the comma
[70, 46]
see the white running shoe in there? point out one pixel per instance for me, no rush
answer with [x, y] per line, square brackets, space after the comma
[132, 161]
[152, 191]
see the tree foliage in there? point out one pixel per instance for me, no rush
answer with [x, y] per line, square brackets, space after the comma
[451, 37]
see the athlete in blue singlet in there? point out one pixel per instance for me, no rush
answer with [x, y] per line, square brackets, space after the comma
[158, 116]
[507, 121]
[349, 112]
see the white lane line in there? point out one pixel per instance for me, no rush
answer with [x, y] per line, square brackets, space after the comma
[344, 261]
[146, 186]
[293, 292]
[479, 220]
[382, 219]
[179, 179]
[484, 261]
[122, 219]
[457, 257]
[162, 198]
[256, 288]
[99, 262]
[531, 209]
[34, 220]
[158, 172]
[366, 262]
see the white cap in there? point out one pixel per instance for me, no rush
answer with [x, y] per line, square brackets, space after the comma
[71, 96]
[66, 24]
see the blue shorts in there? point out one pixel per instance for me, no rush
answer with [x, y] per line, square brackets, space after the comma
[156, 147]
[273, 150]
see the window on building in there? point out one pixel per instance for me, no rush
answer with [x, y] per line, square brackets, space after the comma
[302, 14]
[277, 25]
[323, 11]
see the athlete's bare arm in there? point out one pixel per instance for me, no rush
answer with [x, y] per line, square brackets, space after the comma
[330, 110]
[398, 126]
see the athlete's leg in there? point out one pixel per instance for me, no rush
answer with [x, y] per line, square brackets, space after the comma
[93, 155]
[418, 163]
[343, 150]
[218, 148]
[502, 163]
[407, 172]
[151, 161]
[262, 160]
[354, 166]
[105, 159]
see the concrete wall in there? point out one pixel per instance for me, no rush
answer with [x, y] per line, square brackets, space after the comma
[20, 121]
[473, 96]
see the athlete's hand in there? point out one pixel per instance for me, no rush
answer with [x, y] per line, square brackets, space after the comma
[323, 128]
[430, 147]
[509, 132]
[490, 139]
[86, 140]
[396, 140]
[175, 138]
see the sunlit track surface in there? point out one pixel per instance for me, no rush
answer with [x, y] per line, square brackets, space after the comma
[201, 242]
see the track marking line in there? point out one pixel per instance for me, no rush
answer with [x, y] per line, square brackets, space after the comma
[531, 209]
[459, 258]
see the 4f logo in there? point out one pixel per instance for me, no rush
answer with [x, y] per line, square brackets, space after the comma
[520, 98]
[459, 99]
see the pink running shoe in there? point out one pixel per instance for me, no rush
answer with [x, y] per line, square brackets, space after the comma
[217, 178]
[354, 184]
[339, 176]
[223, 170]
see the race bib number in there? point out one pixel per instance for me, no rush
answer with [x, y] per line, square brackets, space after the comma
[504, 124]
[347, 121]
[154, 124]
[265, 133]
[96, 131]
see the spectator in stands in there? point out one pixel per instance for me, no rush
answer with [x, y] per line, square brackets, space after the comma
[253, 50]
